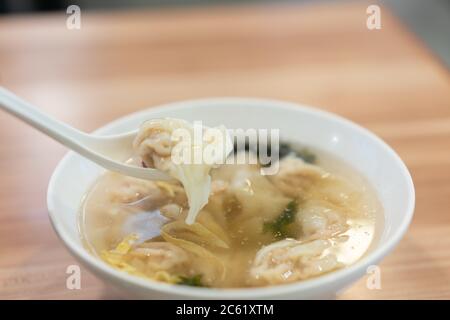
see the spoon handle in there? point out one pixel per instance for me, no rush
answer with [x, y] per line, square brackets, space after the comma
[104, 151]
[23, 110]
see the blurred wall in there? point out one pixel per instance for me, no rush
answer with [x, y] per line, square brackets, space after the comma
[430, 19]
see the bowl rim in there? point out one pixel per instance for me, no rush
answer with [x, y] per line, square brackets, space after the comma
[102, 269]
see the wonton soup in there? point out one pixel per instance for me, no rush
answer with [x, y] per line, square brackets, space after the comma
[229, 226]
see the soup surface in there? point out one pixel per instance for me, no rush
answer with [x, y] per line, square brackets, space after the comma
[314, 216]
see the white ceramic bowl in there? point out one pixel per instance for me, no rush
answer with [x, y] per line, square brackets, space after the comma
[356, 146]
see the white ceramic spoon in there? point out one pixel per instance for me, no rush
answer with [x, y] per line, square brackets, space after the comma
[106, 151]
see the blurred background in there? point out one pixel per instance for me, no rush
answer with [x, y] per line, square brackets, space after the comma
[429, 19]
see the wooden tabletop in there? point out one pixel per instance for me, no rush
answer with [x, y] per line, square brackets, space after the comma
[321, 55]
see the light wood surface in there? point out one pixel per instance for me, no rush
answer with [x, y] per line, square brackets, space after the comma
[321, 55]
